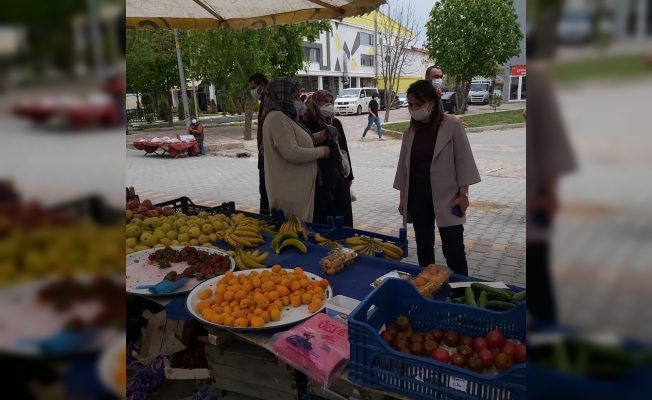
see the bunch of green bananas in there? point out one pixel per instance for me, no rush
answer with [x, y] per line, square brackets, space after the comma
[247, 260]
[325, 242]
[368, 246]
[293, 224]
[245, 234]
[287, 239]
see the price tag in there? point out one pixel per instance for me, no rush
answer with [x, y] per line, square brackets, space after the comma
[457, 383]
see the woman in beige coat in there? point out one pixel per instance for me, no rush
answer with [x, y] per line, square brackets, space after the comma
[435, 169]
[290, 152]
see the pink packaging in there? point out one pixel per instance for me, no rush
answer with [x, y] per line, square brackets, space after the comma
[319, 348]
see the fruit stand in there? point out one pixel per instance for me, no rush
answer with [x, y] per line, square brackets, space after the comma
[281, 278]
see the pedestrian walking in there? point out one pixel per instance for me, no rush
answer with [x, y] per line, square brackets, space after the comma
[434, 172]
[197, 130]
[373, 117]
[302, 110]
[258, 86]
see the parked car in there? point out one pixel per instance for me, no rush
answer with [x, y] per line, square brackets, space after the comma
[402, 99]
[354, 100]
[449, 101]
[395, 102]
[575, 27]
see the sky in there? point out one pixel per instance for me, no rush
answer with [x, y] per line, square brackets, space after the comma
[422, 8]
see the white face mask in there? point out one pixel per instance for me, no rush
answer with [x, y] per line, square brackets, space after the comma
[327, 110]
[297, 104]
[437, 83]
[255, 94]
[420, 114]
[194, 121]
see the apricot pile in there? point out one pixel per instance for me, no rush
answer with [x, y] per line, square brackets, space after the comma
[255, 298]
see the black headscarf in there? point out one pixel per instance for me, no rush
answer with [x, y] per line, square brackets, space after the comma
[280, 97]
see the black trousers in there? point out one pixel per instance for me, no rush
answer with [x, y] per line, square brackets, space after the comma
[541, 303]
[423, 218]
[262, 189]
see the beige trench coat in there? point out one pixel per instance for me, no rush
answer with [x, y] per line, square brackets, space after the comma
[453, 166]
[290, 166]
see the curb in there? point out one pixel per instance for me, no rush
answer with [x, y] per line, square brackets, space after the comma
[399, 135]
[183, 127]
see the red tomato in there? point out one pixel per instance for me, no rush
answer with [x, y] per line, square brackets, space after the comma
[487, 357]
[495, 339]
[441, 355]
[479, 344]
[519, 352]
[508, 348]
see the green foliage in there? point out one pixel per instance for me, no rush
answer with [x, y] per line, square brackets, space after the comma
[149, 118]
[471, 38]
[163, 109]
[256, 105]
[231, 107]
[212, 103]
[495, 101]
[191, 106]
[148, 103]
[181, 113]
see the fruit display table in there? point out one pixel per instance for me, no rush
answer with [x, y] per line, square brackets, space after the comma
[78, 116]
[173, 149]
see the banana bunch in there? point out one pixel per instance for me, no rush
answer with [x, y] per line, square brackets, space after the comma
[325, 242]
[247, 260]
[293, 224]
[266, 228]
[287, 239]
[369, 246]
[246, 233]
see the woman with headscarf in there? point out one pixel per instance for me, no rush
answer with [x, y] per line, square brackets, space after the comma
[197, 130]
[290, 151]
[333, 194]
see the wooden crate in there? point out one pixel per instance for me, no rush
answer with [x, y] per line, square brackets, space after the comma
[247, 369]
[162, 336]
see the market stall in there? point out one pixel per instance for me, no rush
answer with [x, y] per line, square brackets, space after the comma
[331, 270]
[79, 113]
[174, 147]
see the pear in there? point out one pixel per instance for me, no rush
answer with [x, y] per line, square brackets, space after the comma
[148, 239]
[172, 235]
[203, 239]
[194, 242]
[183, 237]
[134, 231]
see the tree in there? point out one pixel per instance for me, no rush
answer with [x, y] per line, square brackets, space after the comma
[398, 31]
[152, 60]
[495, 101]
[227, 58]
[472, 38]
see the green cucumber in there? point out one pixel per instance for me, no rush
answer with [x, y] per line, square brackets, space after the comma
[470, 297]
[460, 300]
[511, 292]
[482, 300]
[500, 293]
[518, 297]
[457, 292]
[497, 305]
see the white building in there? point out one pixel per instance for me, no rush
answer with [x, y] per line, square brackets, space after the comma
[347, 57]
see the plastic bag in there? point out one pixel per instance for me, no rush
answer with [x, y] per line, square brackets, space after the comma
[344, 161]
[318, 348]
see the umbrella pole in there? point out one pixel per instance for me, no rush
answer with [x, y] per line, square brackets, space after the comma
[182, 78]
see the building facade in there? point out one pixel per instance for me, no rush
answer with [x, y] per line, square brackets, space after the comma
[514, 84]
[346, 57]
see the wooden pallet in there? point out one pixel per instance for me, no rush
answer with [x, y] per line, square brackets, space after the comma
[162, 336]
[247, 369]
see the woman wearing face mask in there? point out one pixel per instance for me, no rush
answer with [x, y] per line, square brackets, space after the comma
[333, 195]
[290, 152]
[434, 172]
[197, 130]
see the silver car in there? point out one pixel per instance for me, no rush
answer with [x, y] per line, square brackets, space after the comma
[402, 99]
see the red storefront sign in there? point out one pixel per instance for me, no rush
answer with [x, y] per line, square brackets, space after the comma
[518, 70]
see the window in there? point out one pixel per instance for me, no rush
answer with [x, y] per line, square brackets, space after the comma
[367, 60]
[312, 54]
[370, 92]
[366, 39]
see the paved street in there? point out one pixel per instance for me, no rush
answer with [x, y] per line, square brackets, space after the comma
[495, 232]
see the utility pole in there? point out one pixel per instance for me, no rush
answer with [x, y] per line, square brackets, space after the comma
[376, 46]
[183, 79]
[94, 25]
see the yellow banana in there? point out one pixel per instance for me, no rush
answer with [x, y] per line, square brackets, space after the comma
[246, 234]
[231, 253]
[261, 258]
[231, 242]
[256, 241]
[355, 241]
[390, 254]
[242, 241]
[292, 242]
[239, 263]
[255, 253]
[393, 248]
[359, 247]
[249, 262]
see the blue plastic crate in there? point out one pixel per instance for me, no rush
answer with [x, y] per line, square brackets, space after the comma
[374, 364]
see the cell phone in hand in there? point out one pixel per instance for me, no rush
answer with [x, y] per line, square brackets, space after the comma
[457, 210]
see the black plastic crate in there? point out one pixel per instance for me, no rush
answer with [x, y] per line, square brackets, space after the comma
[92, 207]
[228, 208]
[186, 206]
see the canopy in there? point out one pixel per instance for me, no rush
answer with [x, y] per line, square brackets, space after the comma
[238, 14]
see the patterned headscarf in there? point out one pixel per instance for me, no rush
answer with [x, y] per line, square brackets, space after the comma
[313, 108]
[280, 96]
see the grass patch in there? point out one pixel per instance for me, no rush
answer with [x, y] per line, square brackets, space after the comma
[601, 68]
[475, 121]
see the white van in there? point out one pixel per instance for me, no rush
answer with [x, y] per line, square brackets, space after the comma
[354, 100]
